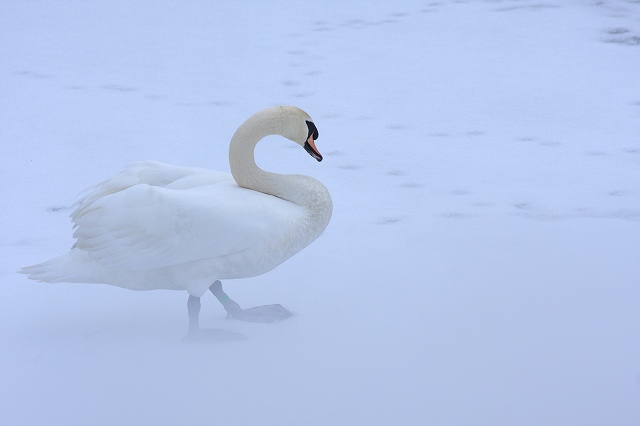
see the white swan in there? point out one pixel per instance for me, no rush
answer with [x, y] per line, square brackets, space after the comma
[157, 226]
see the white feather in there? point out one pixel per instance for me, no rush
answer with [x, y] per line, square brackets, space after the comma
[160, 226]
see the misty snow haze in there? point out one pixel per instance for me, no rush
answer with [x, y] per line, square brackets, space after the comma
[481, 265]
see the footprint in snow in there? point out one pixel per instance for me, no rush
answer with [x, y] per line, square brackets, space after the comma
[57, 209]
[34, 75]
[622, 37]
[412, 185]
[120, 88]
[617, 31]
[460, 192]
[220, 103]
[396, 127]
[389, 220]
[532, 7]
[454, 215]
[349, 167]
[322, 26]
[523, 206]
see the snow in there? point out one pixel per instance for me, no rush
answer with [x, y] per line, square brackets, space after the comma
[481, 266]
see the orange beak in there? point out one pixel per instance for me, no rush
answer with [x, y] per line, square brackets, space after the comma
[310, 147]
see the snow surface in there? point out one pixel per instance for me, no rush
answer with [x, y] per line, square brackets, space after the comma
[482, 266]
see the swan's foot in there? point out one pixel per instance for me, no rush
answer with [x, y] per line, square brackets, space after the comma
[267, 313]
[207, 335]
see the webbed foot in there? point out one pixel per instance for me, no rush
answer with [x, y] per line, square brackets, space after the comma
[266, 313]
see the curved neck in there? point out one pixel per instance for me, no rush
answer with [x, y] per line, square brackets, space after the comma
[304, 191]
[242, 160]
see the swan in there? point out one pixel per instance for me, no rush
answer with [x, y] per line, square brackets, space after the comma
[159, 226]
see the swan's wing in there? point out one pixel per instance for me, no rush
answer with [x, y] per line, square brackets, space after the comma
[146, 227]
[150, 173]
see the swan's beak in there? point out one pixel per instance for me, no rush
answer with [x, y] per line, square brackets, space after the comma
[310, 147]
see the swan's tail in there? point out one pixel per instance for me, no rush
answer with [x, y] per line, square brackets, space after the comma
[73, 267]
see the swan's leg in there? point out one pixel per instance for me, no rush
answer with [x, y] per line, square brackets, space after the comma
[232, 308]
[267, 313]
[193, 309]
[211, 335]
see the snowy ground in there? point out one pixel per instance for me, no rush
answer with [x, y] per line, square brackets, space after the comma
[482, 266]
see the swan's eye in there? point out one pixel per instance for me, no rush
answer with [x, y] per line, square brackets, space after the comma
[313, 130]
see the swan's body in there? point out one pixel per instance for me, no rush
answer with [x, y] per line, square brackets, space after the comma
[157, 226]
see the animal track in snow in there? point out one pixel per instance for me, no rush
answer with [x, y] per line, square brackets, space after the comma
[322, 26]
[119, 88]
[350, 167]
[523, 206]
[389, 220]
[482, 204]
[455, 215]
[622, 37]
[617, 31]
[219, 103]
[396, 127]
[34, 75]
[412, 185]
[532, 7]
[57, 209]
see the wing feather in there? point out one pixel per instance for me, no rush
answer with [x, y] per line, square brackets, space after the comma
[153, 215]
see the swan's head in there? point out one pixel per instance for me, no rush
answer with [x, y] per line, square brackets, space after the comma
[299, 127]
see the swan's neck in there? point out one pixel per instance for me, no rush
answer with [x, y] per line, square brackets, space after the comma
[242, 158]
[304, 191]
